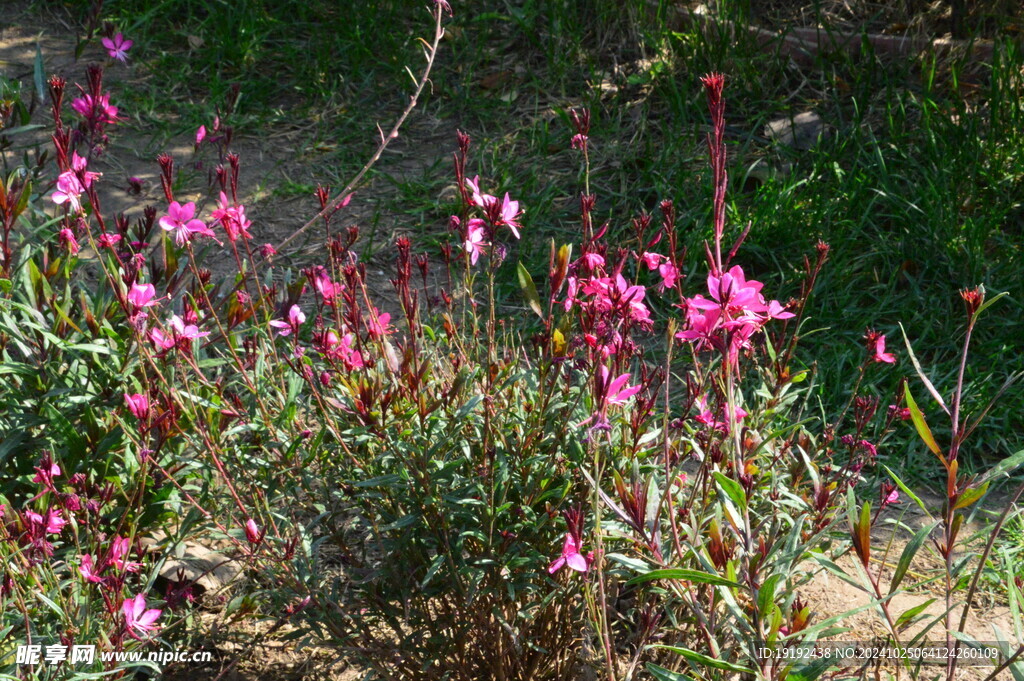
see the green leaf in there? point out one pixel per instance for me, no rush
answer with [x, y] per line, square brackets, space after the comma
[1003, 467]
[38, 76]
[922, 426]
[706, 661]
[662, 674]
[766, 594]
[906, 490]
[907, 617]
[909, 551]
[732, 489]
[683, 573]
[529, 289]
[970, 495]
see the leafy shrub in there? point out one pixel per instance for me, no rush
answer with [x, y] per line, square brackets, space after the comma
[438, 488]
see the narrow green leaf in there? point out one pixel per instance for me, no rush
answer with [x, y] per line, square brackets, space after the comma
[970, 495]
[1008, 464]
[38, 74]
[683, 573]
[922, 426]
[920, 372]
[906, 490]
[908, 617]
[662, 674]
[706, 661]
[909, 551]
[529, 289]
[732, 489]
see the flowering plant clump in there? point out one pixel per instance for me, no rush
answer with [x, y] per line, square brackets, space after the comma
[622, 482]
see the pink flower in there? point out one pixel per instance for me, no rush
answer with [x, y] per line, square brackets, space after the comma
[252, 532]
[200, 135]
[141, 295]
[183, 330]
[69, 190]
[617, 391]
[67, 237]
[137, 619]
[295, 319]
[327, 289]
[880, 355]
[138, 405]
[481, 200]
[161, 340]
[87, 570]
[52, 522]
[707, 417]
[181, 220]
[118, 47]
[475, 243]
[341, 349]
[378, 325]
[510, 215]
[593, 260]
[99, 111]
[652, 260]
[232, 218]
[669, 276]
[571, 556]
[120, 547]
[108, 240]
[46, 472]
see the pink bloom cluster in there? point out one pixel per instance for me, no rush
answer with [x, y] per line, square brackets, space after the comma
[499, 213]
[74, 182]
[180, 331]
[232, 218]
[97, 111]
[732, 315]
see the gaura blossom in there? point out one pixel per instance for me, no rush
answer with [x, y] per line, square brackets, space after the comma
[252, 532]
[182, 221]
[137, 619]
[593, 260]
[108, 240]
[669, 276]
[474, 243]
[571, 556]
[378, 324]
[200, 135]
[876, 343]
[295, 319]
[179, 330]
[505, 213]
[67, 237]
[728, 319]
[88, 570]
[99, 110]
[120, 547]
[117, 47]
[52, 522]
[341, 349]
[141, 295]
[46, 472]
[72, 183]
[327, 289]
[232, 219]
[138, 405]
[708, 418]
